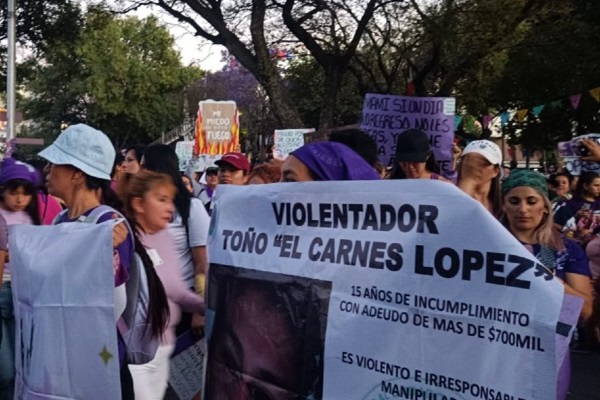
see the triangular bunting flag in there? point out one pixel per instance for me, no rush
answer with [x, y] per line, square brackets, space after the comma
[521, 114]
[504, 117]
[556, 103]
[486, 121]
[596, 94]
[575, 99]
[537, 110]
[457, 121]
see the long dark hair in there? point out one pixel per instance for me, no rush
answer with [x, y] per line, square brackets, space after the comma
[586, 178]
[158, 305]
[162, 159]
[138, 152]
[107, 194]
[31, 190]
[495, 193]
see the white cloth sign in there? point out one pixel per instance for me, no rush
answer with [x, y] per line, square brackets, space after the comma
[288, 140]
[185, 155]
[63, 288]
[401, 289]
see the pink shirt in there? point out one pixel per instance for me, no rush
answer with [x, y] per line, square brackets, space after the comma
[48, 207]
[161, 249]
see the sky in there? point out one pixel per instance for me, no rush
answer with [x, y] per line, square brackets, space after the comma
[193, 49]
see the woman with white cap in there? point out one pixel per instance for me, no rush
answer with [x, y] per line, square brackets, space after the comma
[479, 174]
[80, 163]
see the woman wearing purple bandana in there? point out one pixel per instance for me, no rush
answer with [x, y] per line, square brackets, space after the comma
[326, 161]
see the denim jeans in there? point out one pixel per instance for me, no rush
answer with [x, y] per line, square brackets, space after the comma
[7, 342]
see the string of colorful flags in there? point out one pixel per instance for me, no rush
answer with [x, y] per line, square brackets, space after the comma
[469, 121]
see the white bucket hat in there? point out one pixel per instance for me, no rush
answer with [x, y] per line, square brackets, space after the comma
[85, 148]
[486, 148]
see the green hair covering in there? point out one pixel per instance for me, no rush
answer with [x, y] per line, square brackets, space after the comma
[525, 177]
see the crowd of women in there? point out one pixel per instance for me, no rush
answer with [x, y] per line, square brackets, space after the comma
[168, 214]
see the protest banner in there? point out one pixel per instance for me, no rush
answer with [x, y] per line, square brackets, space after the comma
[384, 117]
[571, 152]
[217, 128]
[326, 292]
[185, 155]
[288, 140]
[66, 338]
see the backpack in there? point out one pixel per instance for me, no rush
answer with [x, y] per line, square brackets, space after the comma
[133, 324]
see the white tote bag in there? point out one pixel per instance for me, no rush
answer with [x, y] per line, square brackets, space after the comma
[63, 291]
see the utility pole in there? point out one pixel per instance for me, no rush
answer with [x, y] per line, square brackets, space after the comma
[11, 73]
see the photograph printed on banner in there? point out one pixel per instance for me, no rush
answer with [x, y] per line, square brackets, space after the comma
[266, 335]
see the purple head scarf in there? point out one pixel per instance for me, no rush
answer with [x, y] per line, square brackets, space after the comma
[331, 161]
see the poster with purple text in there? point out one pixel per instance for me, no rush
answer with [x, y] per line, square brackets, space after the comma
[384, 117]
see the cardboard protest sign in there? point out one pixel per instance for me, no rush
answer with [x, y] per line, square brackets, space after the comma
[571, 152]
[63, 300]
[187, 366]
[217, 128]
[288, 140]
[185, 155]
[326, 292]
[385, 117]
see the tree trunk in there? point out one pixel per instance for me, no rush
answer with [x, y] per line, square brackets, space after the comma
[329, 100]
[266, 71]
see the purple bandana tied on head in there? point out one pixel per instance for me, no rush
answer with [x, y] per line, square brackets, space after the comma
[331, 161]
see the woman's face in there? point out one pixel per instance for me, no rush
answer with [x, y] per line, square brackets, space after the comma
[59, 179]
[132, 165]
[477, 167]
[412, 170]
[525, 209]
[562, 185]
[294, 170]
[593, 188]
[155, 210]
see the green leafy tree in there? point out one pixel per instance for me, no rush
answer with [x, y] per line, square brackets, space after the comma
[120, 75]
[559, 57]
[39, 23]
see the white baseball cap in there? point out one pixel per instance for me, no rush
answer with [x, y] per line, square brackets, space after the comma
[85, 148]
[489, 150]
